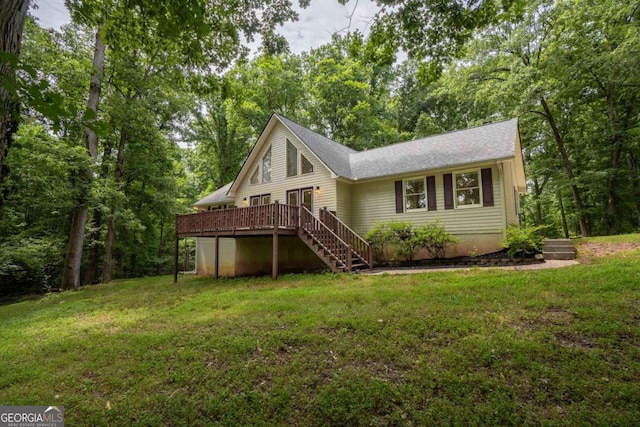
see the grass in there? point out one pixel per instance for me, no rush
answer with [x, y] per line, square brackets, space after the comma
[476, 347]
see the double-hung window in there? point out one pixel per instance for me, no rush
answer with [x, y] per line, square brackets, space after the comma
[415, 194]
[467, 189]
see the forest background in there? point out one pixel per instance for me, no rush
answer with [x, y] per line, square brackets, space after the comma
[115, 123]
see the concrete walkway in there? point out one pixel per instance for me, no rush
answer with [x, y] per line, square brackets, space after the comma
[538, 266]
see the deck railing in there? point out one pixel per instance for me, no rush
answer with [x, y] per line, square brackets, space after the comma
[360, 246]
[245, 218]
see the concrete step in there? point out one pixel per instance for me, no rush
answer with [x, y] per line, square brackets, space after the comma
[558, 249]
[559, 255]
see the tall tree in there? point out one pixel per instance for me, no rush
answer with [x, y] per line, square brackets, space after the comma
[199, 34]
[12, 17]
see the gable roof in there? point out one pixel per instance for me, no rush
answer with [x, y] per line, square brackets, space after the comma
[333, 154]
[219, 196]
[490, 142]
[494, 141]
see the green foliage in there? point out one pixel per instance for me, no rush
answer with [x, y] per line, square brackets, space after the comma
[434, 238]
[379, 237]
[523, 241]
[30, 265]
[405, 239]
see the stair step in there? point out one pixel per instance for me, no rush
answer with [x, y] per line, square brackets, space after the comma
[567, 255]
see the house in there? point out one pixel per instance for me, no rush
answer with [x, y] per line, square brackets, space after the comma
[302, 200]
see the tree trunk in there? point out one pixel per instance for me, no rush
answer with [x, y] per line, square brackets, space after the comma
[563, 216]
[584, 228]
[537, 191]
[634, 166]
[12, 16]
[73, 259]
[91, 272]
[111, 229]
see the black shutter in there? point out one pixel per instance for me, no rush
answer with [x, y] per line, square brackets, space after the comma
[487, 187]
[448, 190]
[432, 205]
[399, 197]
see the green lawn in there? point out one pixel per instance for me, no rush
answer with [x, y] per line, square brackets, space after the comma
[551, 347]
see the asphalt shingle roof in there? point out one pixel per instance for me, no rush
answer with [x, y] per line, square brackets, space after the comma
[333, 154]
[217, 197]
[482, 143]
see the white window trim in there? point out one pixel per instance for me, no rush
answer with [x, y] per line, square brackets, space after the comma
[312, 165]
[455, 189]
[270, 151]
[259, 168]
[286, 162]
[404, 194]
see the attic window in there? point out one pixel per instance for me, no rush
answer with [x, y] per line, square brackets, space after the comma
[306, 165]
[292, 159]
[266, 166]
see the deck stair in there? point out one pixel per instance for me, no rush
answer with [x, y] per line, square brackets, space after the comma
[558, 249]
[338, 246]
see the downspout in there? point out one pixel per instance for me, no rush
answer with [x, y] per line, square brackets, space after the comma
[504, 197]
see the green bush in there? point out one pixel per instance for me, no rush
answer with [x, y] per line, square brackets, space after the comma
[523, 242]
[379, 237]
[405, 238]
[404, 241]
[434, 238]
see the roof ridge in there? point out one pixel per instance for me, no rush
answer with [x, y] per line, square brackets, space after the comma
[280, 116]
[435, 135]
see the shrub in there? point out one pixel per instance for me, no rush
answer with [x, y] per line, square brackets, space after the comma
[379, 237]
[434, 238]
[406, 239]
[523, 242]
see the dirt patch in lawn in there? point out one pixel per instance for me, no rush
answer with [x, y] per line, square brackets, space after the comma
[590, 250]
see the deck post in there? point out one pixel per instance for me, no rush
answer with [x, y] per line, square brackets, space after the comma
[175, 260]
[370, 257]
[349, 258]
[216, 265]
[276, 225]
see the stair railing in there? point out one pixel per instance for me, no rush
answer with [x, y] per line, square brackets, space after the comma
[360, 246]
[326, 238]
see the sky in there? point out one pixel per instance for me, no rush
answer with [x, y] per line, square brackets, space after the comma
[314, 28]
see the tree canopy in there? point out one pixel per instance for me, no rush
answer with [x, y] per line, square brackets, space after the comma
[171, 110]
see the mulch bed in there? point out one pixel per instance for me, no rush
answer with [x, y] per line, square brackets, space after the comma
[495, 259]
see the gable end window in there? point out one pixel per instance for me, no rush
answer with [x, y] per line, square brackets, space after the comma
[306, 165]
[255, 176]
[262, 172]
[266, 166]
[292, 159]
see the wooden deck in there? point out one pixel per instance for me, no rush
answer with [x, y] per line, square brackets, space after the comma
[250, 220]
[333, 241]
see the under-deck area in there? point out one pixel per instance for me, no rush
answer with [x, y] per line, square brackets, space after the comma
[331, 240]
